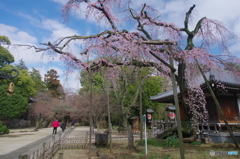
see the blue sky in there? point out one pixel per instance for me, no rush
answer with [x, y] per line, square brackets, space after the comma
[39, 21]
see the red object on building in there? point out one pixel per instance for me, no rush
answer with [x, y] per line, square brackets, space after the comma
[149, 116]
[172, 115]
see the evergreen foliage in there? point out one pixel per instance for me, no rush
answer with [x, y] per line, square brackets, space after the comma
[4, 40]
[37, 78]
[12, 106]
[15, 105]
[53, 84]
[5, 56]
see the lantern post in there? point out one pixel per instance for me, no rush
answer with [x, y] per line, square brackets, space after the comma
[150, 117]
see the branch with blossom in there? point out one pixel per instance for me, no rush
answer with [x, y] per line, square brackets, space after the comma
[143, 44]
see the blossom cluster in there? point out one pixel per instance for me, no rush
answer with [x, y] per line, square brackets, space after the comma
[197, 105]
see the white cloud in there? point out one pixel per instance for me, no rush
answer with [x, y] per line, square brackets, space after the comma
[17, 36]
[72, 81]
[57, 30]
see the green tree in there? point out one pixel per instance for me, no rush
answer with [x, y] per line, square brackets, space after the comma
[125, 97]
[152, 86]
[25, 83]
[5, 56]
[97, 82]
[4, 40]
[17, 104]
[37, 78]
[53, 84]
[12, 106]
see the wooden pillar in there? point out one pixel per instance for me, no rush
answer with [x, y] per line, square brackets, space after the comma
[175, 94]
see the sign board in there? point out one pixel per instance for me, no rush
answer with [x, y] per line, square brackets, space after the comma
[144, 118]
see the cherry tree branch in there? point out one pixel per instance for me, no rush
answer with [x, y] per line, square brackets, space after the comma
[99, 5]
[103, 10]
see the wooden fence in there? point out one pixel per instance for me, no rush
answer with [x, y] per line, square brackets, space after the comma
[162, 125]
[66, 140]
[74, 139]
[45, 151]
[117, 136]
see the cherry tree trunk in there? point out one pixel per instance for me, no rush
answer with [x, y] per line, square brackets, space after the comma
[124, 120]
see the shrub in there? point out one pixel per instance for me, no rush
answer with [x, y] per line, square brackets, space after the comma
[172, 141]
[3, 129]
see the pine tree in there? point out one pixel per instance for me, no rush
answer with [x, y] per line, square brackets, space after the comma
[53, 84]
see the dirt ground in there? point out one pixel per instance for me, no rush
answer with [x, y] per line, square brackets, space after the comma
[119, 151]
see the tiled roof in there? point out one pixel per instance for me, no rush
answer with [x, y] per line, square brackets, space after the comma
[221, 76]
[164, 94]
[225, 77]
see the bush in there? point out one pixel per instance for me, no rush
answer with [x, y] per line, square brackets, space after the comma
[3, 129]
[171, 141]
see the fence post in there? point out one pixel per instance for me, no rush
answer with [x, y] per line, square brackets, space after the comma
[53, 146]
[86, 139]
[43, 154]
[61, 141]
[60, 156]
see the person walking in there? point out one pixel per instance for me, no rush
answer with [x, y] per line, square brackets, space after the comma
[63, 126]
[73, 123]
[55, 125]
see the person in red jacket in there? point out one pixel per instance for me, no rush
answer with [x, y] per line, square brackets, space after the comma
[55, 125]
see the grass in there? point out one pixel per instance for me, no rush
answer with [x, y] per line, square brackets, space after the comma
[156, 150]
